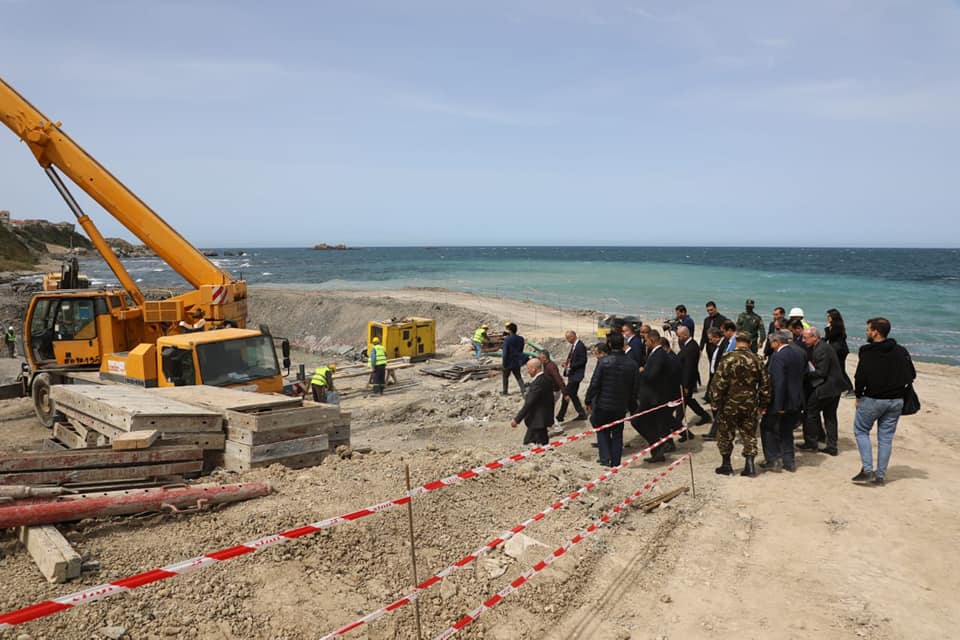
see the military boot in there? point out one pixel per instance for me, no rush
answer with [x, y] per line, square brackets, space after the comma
[725, 468]
[749, 468]
[713, 432]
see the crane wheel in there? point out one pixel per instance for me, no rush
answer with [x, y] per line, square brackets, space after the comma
[42, 402]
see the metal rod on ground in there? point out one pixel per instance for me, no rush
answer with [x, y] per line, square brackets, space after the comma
[693, 485]
[413, 552]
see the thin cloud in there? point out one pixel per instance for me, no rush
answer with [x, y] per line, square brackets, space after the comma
[433, 105]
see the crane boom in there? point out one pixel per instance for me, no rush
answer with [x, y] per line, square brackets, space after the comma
[52, 147]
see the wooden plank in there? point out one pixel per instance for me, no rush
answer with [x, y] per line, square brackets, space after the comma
[653, 503]
[274, 450]
[132, 408]
[135, 440]
[235, 463]
[80, 419]
[98, 457]
[65, 433]
[204, 439]
[61, 476]
[51, 552]
[221, 398]
[49, 444]
[284, 418]
[250, 437]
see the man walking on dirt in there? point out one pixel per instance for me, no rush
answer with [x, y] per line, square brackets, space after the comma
[741, 392]
[611, 394]
[574, 368]
[883, 372]
[512, 357]
[537, 410]
[10, 339]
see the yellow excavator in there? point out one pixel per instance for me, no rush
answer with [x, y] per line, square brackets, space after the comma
[116, 334]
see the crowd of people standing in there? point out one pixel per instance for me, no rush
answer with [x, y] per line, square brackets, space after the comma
[764, 384]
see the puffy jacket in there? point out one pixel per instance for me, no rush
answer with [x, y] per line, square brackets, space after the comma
[884, 370]
[613, 387]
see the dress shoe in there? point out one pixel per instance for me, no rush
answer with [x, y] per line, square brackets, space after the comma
[806, 446]
[709, 438]
[725, 468]
[686, 435]
[864, 476]
[749, 468]
[878, 481]
[790, 466]
[594, 445]
[704, 419]
[657, 457]
[670, 446]
[559, 418]
[776, 466]
[830, 451]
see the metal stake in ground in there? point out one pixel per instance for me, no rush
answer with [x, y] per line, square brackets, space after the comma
[413, 552]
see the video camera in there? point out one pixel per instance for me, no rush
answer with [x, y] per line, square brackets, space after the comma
[670, 326]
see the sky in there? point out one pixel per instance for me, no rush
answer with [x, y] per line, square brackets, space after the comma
[554, 122]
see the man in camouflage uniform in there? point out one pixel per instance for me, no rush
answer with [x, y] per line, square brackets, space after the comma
[741, 392]
[752, 323]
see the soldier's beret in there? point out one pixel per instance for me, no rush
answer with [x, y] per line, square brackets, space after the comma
[743, 336]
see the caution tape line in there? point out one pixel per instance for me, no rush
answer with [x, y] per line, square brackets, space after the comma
[559, 552]
[492, 544]
[99, 592]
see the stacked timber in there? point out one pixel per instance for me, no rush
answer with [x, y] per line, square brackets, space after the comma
[98, 465]
[466, 370]
[264, 429]
[96, 415]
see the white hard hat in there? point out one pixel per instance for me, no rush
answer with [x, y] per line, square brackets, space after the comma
[10, 328]
[796, 312]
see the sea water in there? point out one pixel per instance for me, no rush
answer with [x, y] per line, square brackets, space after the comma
[918, 290]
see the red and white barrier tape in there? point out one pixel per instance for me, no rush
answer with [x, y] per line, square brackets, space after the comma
[527, 575]
[492, 544]
[49, 607]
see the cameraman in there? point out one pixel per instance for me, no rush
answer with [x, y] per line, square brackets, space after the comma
[681, 319]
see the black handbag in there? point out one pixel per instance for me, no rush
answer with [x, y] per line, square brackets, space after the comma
[911, 402]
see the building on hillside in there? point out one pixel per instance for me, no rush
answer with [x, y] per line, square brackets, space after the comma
[4, 218]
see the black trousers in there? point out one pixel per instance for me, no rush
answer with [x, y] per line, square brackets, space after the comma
[692, 403]
[653, 426]
[776, 436]
[610, 440]
[573, 387]
[516, 374]
[379, 378]
[814, 427]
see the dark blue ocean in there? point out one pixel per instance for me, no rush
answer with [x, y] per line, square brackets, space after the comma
[917, 289]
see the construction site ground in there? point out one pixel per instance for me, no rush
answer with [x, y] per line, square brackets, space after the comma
[783, 555]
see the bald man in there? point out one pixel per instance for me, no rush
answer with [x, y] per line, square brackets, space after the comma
[690, 376]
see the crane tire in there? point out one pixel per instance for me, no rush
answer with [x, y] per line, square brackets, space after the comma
[42, 402]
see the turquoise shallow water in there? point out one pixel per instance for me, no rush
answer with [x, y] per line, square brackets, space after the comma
[918, 290]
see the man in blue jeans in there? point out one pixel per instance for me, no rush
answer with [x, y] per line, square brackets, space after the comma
[883, 373]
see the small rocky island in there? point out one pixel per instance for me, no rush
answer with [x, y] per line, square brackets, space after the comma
[323, 246]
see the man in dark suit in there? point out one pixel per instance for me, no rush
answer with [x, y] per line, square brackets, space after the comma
[611, 394]
[653, 389]
[714, 319]
[824, 384]
[633, 344]
[786, 378]
[512, 356]
[575, 367]
[537, 410]
[690, 376]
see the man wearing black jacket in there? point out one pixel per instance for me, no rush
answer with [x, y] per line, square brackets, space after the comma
[714, 319]
[824, 384]
[690, 376]
[537, 410]
[653, 389]
[883, 372]
[574, 367]
[633, 344]
[611, 395]
[787, 367]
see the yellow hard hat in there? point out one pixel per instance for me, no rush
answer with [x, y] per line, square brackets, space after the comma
[333, 367]
[506, 324]
[376, 341]
[484, 326]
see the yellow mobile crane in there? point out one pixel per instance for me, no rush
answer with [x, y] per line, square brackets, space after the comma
[70, 333]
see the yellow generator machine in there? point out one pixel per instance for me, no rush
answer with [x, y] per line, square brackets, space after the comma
[415, 338]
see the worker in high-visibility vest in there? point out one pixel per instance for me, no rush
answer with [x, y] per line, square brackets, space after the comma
[479, 337]
[322, 382]
[10, 339]
[378, 361]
